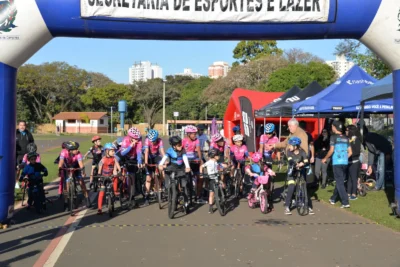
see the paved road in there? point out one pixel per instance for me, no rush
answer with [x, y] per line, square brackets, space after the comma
[244, 237]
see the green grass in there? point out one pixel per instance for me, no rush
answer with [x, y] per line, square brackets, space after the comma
[374, 206]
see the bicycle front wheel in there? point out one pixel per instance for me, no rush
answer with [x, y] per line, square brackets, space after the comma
[172, 195]
[238, 177]
[301, 198]
[71, 197]
[220, 200]
[110, 205]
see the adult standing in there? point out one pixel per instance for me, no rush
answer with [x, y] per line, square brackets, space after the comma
[22, 138]
[310, 141]
[294, 130]
[354, 136]
[379, 154]
[340, 151]
[203, 140]
[322, 146]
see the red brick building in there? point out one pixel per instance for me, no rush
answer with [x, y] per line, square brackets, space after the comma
[218, 69]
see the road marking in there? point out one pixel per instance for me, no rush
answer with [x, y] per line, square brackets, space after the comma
[53, 251]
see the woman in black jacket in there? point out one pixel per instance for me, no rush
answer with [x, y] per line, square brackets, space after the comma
[322, 147]
[354, 136]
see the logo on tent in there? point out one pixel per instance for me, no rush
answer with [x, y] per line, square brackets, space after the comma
[292, 99]
[351, 82]
[8, 12]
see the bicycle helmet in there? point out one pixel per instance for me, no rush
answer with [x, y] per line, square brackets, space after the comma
[269, 128]
[71, 145]
[134, 133]
[175, 140]
[201, 127]
[152, 135]
[32, 155]
[216, 138]
[95, 138]
[237, 137]
[190, 129]
[31, 147]
[294, 141]
[109, 146]
[212, 153]
[236, 129]
[256, 157]
[64, 145]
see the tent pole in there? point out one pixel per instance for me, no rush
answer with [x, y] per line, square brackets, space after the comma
[319, 126]
[362, 121]
[387, 125]
[280, 127]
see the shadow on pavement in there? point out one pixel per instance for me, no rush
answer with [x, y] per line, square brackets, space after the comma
[7, 263]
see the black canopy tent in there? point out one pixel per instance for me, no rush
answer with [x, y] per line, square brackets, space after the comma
[264, 111]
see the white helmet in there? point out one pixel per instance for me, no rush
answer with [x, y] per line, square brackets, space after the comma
[237, 137]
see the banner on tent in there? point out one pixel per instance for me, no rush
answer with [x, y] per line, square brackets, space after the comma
[248, 122]
[376, 107]
[204, 11]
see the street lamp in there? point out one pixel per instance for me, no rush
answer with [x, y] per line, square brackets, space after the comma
[164, 81]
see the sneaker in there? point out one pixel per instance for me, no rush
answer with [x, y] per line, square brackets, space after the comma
[201, 201]
[331, 201]
[310, 211]
[287, 211]
[146, 203]
[99, 212]
[352, 198]
[91, 185]
[323, 186]
[17, 185]
[345, 206]
[211, 210]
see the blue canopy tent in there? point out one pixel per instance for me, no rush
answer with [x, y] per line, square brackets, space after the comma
[344, 96]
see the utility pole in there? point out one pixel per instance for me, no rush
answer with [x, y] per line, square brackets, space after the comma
[111, 122]
[163, 107]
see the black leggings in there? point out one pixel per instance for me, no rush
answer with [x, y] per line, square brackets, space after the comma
[354, 171]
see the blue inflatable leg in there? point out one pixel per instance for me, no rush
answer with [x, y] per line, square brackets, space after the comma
[8, 76]
[396, 112]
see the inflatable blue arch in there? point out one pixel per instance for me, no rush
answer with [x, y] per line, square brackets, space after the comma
[27, 25]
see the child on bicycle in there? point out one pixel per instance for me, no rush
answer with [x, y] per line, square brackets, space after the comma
[35, 172]
[178, 160]
[108, 166]
[255, 169]
[131, 152]
[97, 151]
[298, 160]
[31, 148]
[192, 147]
[213, 166]
[267, 139]
[153, 153]
[71, 157]
[239, 154]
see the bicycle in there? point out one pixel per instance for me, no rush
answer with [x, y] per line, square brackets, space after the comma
[110, 193]
[260, 195]
[176, 196]
[158, 187]
[237, 180]
[301, 196]
[95, 180]
[72, 194]
[219, 195]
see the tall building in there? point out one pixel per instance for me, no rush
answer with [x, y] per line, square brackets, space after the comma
[218, 69]
[340, 65]
[188, 72]
[143, 71]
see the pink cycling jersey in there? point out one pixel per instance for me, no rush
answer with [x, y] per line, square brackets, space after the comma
[134, 152]
[264, 140]
[220, 148]
[190, 147]
[69, 158]
[26, 161]
[154, 148]
[239, 153]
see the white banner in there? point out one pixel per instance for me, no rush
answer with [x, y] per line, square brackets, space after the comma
[206, 11]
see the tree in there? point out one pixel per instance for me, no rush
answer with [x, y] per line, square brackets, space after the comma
[300, 75]
[98, 80]
[296, 55]
[246, 51]
[101, 99]
[149, 96]
[51, 88]
[368, 61]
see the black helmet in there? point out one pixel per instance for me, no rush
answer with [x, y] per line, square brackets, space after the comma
[201, 127]
[31, 155]
[174, 140]
[71, 145]
[31, 147]
[64, 145]
[213, 152]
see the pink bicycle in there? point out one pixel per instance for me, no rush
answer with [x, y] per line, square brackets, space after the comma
[260, 195]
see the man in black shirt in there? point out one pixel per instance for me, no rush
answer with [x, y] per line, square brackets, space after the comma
[379, 154]
[22, 139]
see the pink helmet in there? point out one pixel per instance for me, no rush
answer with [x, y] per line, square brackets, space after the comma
[190, 129]
[216, 137]
[256, 157]
[134, 133]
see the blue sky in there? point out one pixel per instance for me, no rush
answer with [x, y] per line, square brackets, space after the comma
[114, 57]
